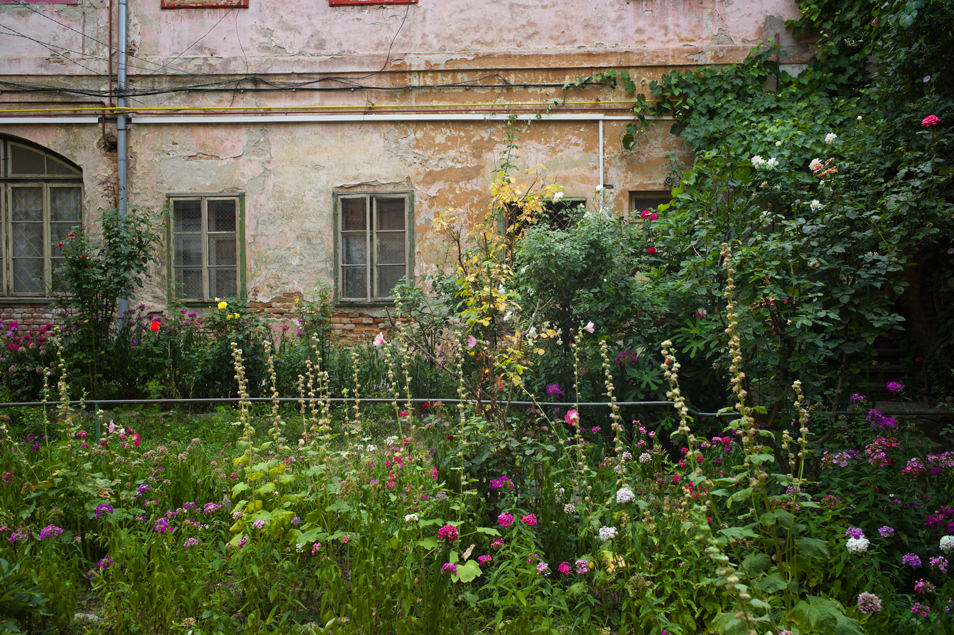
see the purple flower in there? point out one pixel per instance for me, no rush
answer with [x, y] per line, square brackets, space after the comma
[886, 532]
[103, 509]
[894, 386]
[854, 532]
[543, 568]
[161, 526]
[554, 390]
[582, 566]
[50, 531]
[856, 398]
[922, 586]
[911, 559]
[869, 603]
[190, 542]
[939, 563]
[449, 568]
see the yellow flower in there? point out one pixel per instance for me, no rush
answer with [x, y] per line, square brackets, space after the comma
[222, 305]
[228, 317]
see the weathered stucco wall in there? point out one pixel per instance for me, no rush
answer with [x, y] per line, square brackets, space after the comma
[447, 56]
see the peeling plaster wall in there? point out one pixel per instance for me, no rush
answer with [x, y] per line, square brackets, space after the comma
[288, 172]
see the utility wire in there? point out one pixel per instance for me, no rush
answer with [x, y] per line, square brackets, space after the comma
[52, 48]
[109, 47]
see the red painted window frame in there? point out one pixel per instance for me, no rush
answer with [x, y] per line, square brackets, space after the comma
[345, 3]
[220, 4]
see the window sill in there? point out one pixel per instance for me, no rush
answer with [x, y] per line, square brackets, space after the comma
[20, 299]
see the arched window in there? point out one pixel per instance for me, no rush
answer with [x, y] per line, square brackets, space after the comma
[41, 203]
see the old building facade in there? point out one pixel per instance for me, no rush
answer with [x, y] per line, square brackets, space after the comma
[293, 144]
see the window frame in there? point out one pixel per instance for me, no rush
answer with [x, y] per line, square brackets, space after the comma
[347, 3]
[371, 265]
[240, 269]
[72, 178]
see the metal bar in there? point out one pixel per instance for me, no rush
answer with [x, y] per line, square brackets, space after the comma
[653, 404]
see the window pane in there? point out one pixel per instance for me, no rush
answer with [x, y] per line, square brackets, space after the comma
[65, 204]
[188, 283]
[186, 216]
[28, 276]
[390, 248]
[55, 263]
[27, 203]
[390, 213]
[222, 283]
[59, 232]
[222, 216]
[188, 251]
[387, 277]
[54, 166]
[28, 240]
[354, 282]
[354, 249]
[26, 161]
[222, 250]
[353, 214]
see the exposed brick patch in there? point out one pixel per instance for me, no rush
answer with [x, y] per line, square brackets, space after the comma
[29, 317]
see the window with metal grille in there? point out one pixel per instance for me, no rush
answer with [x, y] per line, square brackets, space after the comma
[373, 245]
[207, 251]
[41, 202]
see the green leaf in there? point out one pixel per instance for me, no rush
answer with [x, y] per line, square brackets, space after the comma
[756, 563]
[467, 572]
[239, 488]
[812, 548]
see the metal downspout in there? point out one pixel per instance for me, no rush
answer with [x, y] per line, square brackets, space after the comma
[122, 146]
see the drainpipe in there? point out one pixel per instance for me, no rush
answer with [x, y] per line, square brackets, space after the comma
[122, 148]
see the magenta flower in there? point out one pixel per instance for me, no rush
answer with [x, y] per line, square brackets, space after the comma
[447, 532]
[582, 566]
[449, 568]
[565, 568]
[886, 532]
[103, 509]
[529, 520]
[554, 390]
[482, 560]
[911, 559]
[894, 386]
[930, 121]
[505, 520]
[502, 481]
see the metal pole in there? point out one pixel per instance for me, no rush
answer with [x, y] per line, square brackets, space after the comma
[122, 147]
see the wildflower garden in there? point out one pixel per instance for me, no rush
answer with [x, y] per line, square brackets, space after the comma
[677, 421]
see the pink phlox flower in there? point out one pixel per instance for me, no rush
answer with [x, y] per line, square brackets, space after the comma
[447, 532]
[529, 520]
[505, 520]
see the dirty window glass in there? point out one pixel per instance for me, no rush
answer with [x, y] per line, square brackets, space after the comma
[207, 248]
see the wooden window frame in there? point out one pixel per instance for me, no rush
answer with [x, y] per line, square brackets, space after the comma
[347, 3]
[207, 4]
[204, 199]
[370, 299]
[47, 182]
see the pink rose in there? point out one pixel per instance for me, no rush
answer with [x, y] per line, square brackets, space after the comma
[930, 121]
[651, 251]
[572, 417]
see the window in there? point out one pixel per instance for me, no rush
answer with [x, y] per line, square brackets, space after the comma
[647, 200]
[204, 4]
[564, 213]
[207, 254]
[343, 3]
[373, 247]
[41, 202]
